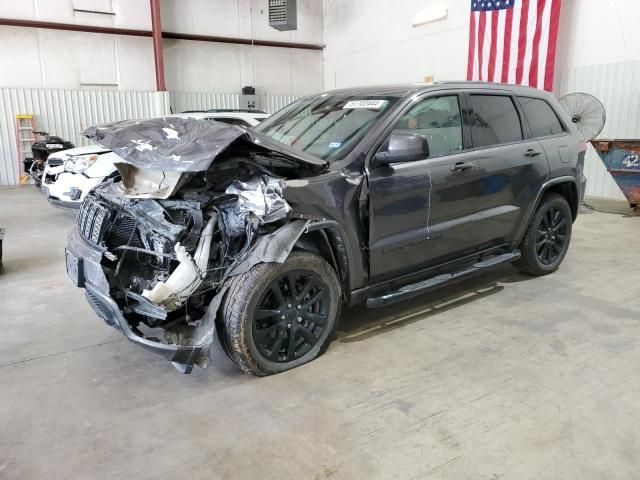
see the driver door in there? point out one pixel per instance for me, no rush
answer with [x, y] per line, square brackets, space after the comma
[421, 211]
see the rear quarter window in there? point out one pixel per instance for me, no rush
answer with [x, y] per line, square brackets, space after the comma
[541, 117]
[495, 120]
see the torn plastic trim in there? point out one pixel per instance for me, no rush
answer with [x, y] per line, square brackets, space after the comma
[272, 248]
[173, 144]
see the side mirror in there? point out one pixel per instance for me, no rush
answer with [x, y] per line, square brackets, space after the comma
[403, 147]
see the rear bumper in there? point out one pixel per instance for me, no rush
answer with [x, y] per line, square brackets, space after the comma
[84, 269]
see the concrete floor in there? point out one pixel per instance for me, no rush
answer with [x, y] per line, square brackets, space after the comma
[504, 376]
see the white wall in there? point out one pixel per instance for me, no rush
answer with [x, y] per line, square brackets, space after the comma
[203, 66]
[38, 58]
[596, 32]
[373, 41]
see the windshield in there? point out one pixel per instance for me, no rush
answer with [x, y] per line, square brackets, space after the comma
[327, 126]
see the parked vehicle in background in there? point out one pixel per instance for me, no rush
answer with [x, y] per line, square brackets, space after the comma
[69, 175]
[44, 146]
[248, 118]
[373, 194]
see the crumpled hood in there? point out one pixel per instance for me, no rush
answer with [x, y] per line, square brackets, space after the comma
[181, 144]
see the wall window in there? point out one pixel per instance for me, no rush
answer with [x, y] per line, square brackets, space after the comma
[437, 120]
[541, 117]
[495, 120]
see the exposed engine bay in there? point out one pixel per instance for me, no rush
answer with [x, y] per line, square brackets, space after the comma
[172, 237]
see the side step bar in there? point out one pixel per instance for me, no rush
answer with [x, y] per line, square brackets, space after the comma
[415, 289]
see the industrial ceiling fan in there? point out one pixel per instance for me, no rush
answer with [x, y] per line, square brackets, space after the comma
[586, 112]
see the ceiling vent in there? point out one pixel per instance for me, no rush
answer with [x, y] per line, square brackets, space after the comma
[283, 15]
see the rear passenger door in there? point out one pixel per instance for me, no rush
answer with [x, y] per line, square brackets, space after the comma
[547, 128]
[513, 166]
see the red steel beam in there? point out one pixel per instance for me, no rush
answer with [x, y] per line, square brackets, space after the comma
[156, 34]
[240, 41]
[146, 33]
[13, 22]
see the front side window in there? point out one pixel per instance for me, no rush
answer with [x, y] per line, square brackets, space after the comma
[327, 126]
[495, 120]
[541, 117]
[438, 121]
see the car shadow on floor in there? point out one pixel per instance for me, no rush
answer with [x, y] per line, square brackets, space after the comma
[359, 322]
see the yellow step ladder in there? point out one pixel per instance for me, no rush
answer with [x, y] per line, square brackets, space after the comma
[25, 136]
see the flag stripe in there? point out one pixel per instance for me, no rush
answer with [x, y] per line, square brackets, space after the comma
[492, 48]
[544, 44]
[551, 49]
[515, 39]
[535, 46]
[522, 39]
[476, 58]
[481, 39]
[472, 46]
[507, 45]
[531, 30]
[497, 77]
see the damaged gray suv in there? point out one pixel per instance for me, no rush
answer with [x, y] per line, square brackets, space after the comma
[257, 237]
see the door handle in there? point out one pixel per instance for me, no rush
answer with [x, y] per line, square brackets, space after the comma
[462, 166]
[532, 153]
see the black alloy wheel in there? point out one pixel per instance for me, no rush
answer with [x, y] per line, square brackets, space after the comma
[547, 237]
[291, 316]
[551, 235]
[276, 317]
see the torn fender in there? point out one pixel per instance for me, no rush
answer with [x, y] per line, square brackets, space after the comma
[272, 248]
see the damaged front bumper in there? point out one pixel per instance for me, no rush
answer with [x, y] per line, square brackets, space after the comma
[83, 262]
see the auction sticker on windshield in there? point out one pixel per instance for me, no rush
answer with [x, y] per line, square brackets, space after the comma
[373, 104]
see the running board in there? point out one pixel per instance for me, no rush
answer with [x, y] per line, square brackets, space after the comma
[415, 289]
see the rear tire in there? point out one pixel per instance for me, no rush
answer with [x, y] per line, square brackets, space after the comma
[274, 305]
[547, 238]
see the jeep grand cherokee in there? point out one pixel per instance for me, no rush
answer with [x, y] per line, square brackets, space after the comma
[368, 194]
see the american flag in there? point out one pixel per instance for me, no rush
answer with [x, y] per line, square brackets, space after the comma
[513, 41]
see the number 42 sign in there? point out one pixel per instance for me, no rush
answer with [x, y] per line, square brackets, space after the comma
[631, 161]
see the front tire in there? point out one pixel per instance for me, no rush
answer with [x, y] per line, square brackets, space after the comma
[547, 238]
[279, 316]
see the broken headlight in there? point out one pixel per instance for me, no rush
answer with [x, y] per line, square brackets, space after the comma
[79, 163]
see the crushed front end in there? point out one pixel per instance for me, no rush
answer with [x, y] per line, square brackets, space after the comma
[153, 251]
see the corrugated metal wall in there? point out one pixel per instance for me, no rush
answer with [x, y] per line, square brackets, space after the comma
[273, 103]
[617, 86]
[66, 113]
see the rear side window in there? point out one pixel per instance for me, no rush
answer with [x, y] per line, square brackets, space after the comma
[541, 117]
[495, 120]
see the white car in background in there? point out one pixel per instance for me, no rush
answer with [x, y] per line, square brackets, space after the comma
[70, 174]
